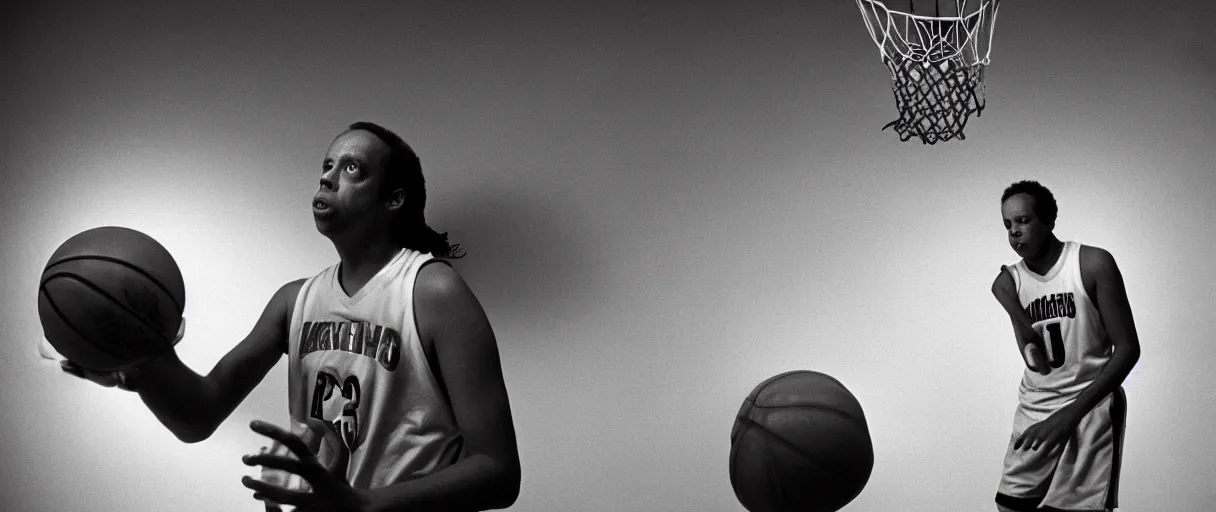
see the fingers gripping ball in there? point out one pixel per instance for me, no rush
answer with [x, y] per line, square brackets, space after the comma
[111, 297]
[1034, 358]
[800, 443]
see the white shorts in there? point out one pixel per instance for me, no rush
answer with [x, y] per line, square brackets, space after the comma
[1083, 474]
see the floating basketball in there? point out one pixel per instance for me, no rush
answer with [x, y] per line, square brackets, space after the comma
[1033, 359]
[111, 297]
[800, 444]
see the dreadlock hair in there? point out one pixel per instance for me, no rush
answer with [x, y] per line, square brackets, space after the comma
[403, 170]
[1044, 202]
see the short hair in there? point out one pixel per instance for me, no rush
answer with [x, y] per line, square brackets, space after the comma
[403, 170]
[1045, 207]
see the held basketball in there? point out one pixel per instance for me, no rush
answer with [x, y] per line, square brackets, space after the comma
[1035, 360]
[111, 297]
[1032, 356]
[800, 443]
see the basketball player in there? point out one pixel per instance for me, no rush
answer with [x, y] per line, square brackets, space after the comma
[396, 390]
[1068, 301]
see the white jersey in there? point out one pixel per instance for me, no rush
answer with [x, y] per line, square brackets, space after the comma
[1076, 344]
[356, 366]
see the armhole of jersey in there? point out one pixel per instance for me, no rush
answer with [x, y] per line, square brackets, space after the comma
[293, 306]
[1081, 278]
[432, 360]
[1017, 279]
[294, 384]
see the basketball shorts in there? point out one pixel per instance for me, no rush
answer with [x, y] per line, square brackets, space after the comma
[1082, 474]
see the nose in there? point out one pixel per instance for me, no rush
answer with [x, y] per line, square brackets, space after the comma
[327, 181]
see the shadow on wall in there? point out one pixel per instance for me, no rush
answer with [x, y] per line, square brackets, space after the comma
[1203, 55]
[528, 255]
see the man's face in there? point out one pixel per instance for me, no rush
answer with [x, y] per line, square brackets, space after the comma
[351, 175]
[1028, 234]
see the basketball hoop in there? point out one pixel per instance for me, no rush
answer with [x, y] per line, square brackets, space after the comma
[936, 63]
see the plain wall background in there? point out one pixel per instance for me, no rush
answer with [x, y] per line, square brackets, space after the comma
[663, 204]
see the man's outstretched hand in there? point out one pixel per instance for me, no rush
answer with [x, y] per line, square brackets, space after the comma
[329, 492]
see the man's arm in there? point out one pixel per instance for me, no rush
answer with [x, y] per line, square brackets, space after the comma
[193, 406]
[1099, 271]
[488, 478]
[1005, 291]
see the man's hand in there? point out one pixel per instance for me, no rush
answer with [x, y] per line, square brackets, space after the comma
[1004, 290]
[106, 379]
[1027, 338]
[330, 490]
[1054, 431]
[112, 379]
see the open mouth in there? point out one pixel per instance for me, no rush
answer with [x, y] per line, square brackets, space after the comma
[320, 205]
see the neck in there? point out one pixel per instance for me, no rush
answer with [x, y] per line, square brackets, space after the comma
[362, 258]
[1042, 263]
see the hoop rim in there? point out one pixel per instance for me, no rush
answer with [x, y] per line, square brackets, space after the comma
[959, 17]
[909, 39]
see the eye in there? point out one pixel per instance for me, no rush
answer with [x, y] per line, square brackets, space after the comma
[326, 166]
[351, 167]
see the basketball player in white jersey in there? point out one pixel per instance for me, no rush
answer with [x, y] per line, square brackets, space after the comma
[1070, 313]
[396, 390]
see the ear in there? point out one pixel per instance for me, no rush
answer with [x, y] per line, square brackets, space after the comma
[395, 200]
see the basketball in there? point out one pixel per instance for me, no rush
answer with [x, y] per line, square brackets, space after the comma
[800, 443]
[111, 297]
[1032, 357]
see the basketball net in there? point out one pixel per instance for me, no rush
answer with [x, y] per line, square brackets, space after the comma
[936, 63]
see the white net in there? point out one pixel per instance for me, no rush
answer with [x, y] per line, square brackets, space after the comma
[937, 62]
[964, 36]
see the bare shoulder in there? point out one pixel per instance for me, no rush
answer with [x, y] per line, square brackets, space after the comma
[292, 289]
[1004, 280]
[437, 280]
[445, 308]
[288, 294]
[284, 306]
[1099, 273]
[440, 291]
[1097, 263]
